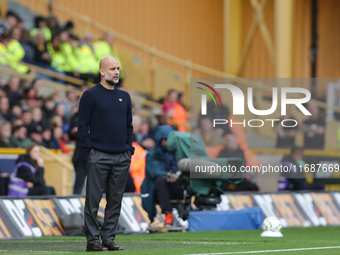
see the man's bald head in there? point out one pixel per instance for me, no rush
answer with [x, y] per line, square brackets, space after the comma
[107, 61]
[109, 70]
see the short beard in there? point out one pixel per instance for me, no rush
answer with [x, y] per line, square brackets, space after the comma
[110, 81]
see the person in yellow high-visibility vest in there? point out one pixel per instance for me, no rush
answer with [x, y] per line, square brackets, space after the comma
[105, 47]
[16, 52]
[71, 65]
[88, 64]
[58, 59]
[41, 25]
[12, 52]
[4, 55]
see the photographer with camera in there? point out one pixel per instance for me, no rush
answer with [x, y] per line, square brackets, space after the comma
[161, 178]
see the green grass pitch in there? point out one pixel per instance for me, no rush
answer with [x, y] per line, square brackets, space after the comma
[294, 241]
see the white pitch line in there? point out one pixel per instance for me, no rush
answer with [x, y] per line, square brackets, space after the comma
[30, 251]
[267, 251]
[212, 243]
[51, 251]
[61, 241]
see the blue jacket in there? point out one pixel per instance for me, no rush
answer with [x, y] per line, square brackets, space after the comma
[155, 166]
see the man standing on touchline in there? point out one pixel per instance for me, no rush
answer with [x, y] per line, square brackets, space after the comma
[105, 128]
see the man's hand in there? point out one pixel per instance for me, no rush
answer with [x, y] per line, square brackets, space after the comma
[169, 178]
[46, 56]
[29, 185]
[148, 143]
[40, 162]
[74, 130]
[319, 130]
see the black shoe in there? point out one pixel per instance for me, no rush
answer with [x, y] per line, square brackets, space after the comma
[95, 247]
[113, 247]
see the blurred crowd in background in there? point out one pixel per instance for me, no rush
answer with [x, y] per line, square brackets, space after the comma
[53, 46]
[26, 116]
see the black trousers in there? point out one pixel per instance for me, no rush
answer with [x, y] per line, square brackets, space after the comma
[110, 171]
[41, 191]
[130, 186]
[242, 186]
[165, 191]
[302, 184]
[81, 172]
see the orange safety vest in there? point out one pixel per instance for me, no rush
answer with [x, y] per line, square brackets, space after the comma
[241, 138]
[137, 166]
[180, 116]
[213, 151]
[63, 147]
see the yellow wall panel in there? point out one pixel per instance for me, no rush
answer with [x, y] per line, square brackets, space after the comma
[302, 39]
[136, 71]
[167, 79]
[259, 63]
[328, 61]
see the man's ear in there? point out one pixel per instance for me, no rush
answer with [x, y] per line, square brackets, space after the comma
[102, 71]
